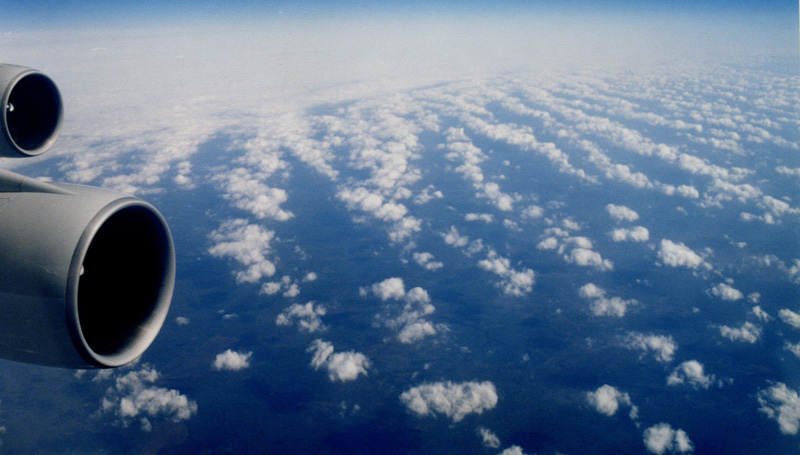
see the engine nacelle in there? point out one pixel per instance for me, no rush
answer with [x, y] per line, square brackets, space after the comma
[86, 274]
[31, 111]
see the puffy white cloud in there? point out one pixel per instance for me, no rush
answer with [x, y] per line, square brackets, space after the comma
[181, 320]
[248, 245]
[532, 212]
[485, 217]
[748, 332]
[662, 347]
[790, 317]
[726, 292]
[690, 372]
[341, 366]
[635, 234]
[513, 450]
[428, 194]
[515, 282]
[488, 438]
[588, 258]
[452, 237]
[247, 192]
[793, 348]
[426, 260]
[290, 289]
[601, 305]
[661, 438]
[549, 243]
[308, 316]
[621, 213]
[455, 400]
[132, 396]
[678, 255]
[232, 360]
[310, 276]
[410, 321]
[760, 314]
[390, 288]
[782, 404]
[607, 400]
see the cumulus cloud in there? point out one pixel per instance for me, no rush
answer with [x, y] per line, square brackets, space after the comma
[248, 245]
[307, 317]
[134, 397]
[781, 404]
[232, 361]
[426, 260]
[748, 332]
[790, 317]
[289, 288]
[726, 292]
[662, 347]
[678, 255]
[661, 438]
[607, 400]
[621, 213]
[488, 438]
[515, 282]
[390, 288]
[409, 321]
[454, 400]
[248, 192]
[341, 366]
[588, 258]
[452, 237]
[690, 372]
[793, 348]
[513, 450]
[428, 194]
[635, 234]
[601, 305]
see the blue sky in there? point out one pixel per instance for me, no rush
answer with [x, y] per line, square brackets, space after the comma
[47, 13]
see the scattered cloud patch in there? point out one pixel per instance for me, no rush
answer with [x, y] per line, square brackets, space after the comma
[781, 404]
[621, 213]
[426, 261]
[661, 347]
[489, 439]
[248, 245]
[607, 400]
[661, 438]
[678, 255]
[691, 373]
[727, 292]
[410, 321]
[454, 400]
[790, 317]
[748, 332]
[515, 282]
[601, 305]
[635, 234]
[232, 361]
[341, 366]
[133, 397]
[307, 317]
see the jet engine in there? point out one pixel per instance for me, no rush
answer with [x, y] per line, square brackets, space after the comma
[86, 274]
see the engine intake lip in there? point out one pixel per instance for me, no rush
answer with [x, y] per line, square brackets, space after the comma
[120, 283]
[31, 110]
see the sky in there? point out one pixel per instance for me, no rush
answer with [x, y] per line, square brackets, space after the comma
[522, 176]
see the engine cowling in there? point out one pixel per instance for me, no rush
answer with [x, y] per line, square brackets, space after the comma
[86, 274]
[31, 111]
